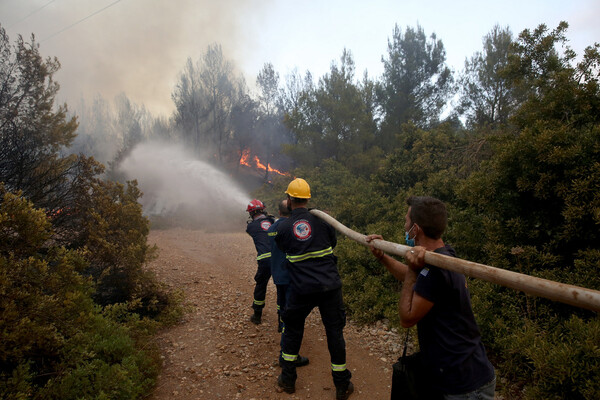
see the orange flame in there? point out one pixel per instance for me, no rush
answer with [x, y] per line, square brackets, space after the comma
[54, 213]
[244, 159]
[257, 163]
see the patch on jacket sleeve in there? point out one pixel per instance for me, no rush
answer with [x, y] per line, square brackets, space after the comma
[265, 225]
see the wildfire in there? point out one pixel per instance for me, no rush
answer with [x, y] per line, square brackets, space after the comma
[245, 160]
[57, 212]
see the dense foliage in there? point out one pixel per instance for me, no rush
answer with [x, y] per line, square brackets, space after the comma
[56, 342]
[512, 145]
[77, 308]
[521, 179]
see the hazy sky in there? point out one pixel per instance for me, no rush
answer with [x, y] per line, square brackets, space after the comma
[139, 47]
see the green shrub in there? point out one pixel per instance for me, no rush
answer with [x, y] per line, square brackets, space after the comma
[56, 342]
[104, 361]
[370, 293]
[566, 361]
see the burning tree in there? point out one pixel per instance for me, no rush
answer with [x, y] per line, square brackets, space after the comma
[219, 119]
[271, 116]
[255, 163]
[204, 97]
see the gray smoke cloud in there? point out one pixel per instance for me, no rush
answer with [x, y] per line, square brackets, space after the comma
[139, 46]
[134, 46]
[184, 190]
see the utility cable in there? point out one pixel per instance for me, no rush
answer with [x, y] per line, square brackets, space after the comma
[80, 21]
[31, 13]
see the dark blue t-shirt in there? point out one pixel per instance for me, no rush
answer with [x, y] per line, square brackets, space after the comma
[449, 337]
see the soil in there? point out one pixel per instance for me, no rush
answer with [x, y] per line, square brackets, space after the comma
[217, 353]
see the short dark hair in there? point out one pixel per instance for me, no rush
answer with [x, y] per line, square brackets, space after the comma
[283, 209]
[298, 200]
[260, 211]
[430, 214]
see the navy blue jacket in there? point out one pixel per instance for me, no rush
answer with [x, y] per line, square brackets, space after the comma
[279, 270]
[308, 243]
[257, 228]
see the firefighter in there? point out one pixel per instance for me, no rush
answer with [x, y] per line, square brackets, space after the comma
[314, 282]
[279, 271]
[281, 277]
[258, 225]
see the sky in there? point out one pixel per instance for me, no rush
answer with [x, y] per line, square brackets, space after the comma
[139, 47]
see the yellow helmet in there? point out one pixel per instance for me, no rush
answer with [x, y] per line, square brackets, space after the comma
[298, 188]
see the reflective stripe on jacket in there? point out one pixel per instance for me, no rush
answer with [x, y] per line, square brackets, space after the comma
[263, 256]
[257, 229]
[308, 242]
[312, 254]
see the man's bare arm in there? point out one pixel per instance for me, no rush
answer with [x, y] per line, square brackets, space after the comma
[412, 306]
[395, 267]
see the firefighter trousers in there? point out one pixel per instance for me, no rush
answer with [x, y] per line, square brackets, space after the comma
[263, 274]
[333, 316]
[281, 301]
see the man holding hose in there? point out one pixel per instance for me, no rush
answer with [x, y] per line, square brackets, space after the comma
[308, 243]
[438, 302]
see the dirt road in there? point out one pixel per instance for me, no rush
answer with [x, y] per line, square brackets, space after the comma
[217, 353]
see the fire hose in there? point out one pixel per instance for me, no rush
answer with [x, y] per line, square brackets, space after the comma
[556, 291]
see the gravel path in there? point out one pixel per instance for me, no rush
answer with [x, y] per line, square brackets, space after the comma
[217, 353]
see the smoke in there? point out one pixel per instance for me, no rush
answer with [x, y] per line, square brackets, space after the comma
[136, 46]
[181, 190]
[140, 46]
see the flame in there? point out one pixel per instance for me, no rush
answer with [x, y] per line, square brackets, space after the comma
[55, 213]
[245, 156]
[245, 160]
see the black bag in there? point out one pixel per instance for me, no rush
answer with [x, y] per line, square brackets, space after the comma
[410, 379]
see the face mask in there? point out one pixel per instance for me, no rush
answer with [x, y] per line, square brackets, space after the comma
[409, 242]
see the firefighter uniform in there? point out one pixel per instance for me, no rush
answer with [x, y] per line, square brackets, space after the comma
[279, 272]
[314, 282]
[257, 229]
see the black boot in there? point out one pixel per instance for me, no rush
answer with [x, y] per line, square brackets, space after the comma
[286, 386]
[342, 392]
[301, 361]
[256, 318]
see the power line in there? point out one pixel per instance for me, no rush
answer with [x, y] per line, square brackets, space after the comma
[80, 21]
[31, 13]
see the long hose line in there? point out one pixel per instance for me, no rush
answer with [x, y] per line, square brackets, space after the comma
[564, 293]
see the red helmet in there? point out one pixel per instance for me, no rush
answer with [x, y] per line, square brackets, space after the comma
[255, 205]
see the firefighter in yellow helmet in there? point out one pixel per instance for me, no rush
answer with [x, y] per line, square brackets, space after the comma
[308, 243]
